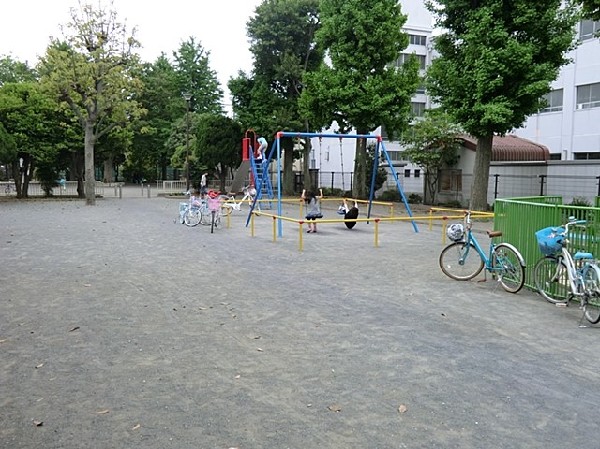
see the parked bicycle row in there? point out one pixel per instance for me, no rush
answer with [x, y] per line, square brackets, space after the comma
[560, 275]
[208, 207]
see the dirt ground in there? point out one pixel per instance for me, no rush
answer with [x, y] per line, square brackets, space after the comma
[123, 329]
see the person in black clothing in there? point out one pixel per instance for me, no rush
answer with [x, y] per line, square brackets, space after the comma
[349, 213]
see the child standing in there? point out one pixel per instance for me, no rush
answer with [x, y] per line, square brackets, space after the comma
[313, 205]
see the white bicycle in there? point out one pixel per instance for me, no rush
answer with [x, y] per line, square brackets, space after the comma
[230, 204]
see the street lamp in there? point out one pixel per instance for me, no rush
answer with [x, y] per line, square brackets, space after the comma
[187, 96]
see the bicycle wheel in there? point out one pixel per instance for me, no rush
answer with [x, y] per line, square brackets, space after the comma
[506, 264]
[206, 217]
[551, 279]
[591, 282]
[192, 217]
[460, 261]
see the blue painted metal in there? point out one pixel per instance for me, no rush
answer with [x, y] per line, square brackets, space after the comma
[276, 147]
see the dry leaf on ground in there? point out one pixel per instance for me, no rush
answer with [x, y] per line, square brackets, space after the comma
[402, 408]
[335, 408]
[103, 412]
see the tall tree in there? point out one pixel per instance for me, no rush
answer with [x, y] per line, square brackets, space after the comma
[362, 88]
[218, 144]
[497, 60]
[34, 130]
[93, 70]
[14, 71]
[590, 8]
[282, 42]
[150, 155]
[195, 77]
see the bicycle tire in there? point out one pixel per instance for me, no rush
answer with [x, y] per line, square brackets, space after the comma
[206, 220]
[192, 217]
[551, 279]
[451, 265]
[507, 267]
[591, 282]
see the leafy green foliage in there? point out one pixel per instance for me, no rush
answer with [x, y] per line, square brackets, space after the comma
[93, 71]
[362, 88]
[590, 9]
[218, 144]
[497, 59]
[195, 77]
[432, 143]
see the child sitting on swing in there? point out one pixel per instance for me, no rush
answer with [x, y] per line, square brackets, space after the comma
[349, 213]
[313, 205]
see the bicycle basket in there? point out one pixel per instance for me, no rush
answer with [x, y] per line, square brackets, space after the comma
[550, 240]
[214, 204]
[455, 232]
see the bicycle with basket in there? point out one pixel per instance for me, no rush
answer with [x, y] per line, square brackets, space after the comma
[464, 259]
[561, 275]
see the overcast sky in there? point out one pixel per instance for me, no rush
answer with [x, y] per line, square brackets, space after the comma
[219, 25]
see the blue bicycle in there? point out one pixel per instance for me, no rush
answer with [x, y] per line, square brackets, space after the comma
[464, 259]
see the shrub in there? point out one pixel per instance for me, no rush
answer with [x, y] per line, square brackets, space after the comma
[415, 198]
[390, 195]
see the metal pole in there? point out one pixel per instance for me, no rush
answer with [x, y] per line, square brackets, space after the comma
[187, 97]
[496, 186]
[187, 147]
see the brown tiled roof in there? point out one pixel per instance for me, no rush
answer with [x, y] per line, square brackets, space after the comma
[511, 148]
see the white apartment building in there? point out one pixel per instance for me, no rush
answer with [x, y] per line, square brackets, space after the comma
[570, 125]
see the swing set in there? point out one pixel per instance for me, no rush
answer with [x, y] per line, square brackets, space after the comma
[380, 150]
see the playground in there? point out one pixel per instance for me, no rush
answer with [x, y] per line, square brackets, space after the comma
[123, 329]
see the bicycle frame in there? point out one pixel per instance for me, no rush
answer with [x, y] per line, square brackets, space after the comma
[574, 274]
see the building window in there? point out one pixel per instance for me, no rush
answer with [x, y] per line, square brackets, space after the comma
[555, 157]
[417, 173]
[587, 29]
[417, 109]
[554, 101]
[404, 57]
[588, 96]
[407, 173]
[395, 155]
[417, 40]
[585, 156]
[420, 89]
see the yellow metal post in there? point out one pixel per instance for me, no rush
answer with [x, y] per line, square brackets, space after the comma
[377, 233]
[274, 229]
[252, 224]
[300, 236]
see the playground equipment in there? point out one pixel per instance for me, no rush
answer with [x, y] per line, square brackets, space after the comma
[379, 151]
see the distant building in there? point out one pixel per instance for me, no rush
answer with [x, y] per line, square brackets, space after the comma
[570, 125]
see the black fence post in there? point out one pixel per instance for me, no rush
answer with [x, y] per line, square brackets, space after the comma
[332, 175]
[598, 178]
[496, 176]
[542, 179]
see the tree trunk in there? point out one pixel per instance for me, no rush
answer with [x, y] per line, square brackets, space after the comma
[481, 173]
[109, 170]
[90, 178]
[76, 172]
[307, 181]
[359, 188]
[288, 173]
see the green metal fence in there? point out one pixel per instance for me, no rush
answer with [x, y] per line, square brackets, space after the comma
[520, 218]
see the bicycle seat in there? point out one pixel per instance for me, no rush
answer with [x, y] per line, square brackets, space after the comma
[581, 255]
[492, 234]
